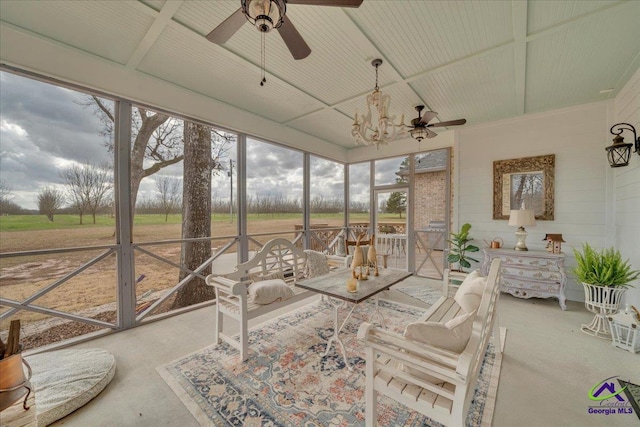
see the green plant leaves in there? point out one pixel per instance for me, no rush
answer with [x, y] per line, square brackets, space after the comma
[605, 267]
[460, 245]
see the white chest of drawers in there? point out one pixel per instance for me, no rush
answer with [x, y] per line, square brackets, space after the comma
[530, 274]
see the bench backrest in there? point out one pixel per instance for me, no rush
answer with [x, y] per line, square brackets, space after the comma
[471, 358]
[278, 256]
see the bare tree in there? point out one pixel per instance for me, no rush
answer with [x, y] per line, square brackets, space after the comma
[196, 212]
[156, 137]
[50, 199]
[7, 206]
[89, 187]
[169, 194]
[5, 191]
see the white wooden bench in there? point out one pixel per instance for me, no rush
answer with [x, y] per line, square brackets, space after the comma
[440, 383]
[277, 256]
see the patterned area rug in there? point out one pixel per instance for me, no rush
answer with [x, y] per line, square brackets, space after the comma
[287, 381]
[412, 287]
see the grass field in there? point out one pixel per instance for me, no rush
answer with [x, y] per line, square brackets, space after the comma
[25, 275]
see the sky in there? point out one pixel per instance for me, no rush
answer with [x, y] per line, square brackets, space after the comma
[45, 128]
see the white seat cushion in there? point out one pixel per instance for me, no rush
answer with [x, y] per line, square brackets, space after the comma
[469, 294]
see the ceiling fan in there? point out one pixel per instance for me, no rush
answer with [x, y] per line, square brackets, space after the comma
[420, 125]
[266, 15]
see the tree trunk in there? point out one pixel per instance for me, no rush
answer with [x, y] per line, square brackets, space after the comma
[196, 213]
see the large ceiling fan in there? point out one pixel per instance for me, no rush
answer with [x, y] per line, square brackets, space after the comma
[266, 15]
[420, 125]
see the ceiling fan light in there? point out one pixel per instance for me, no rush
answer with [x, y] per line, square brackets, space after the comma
[264, 14]
[418, 133]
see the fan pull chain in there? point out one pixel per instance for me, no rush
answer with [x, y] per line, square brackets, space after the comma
[262, 60]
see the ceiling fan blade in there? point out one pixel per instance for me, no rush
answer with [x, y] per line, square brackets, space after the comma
[338, 3]
[428, 116]
[294, 41]
[227, 28]
[431, 134]
[449, 123]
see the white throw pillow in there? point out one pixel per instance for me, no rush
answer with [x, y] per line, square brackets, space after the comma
[268, 291]
[452, 336]
[317, 263]
[469, 294]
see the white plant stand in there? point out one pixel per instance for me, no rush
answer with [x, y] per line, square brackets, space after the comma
[603, 301]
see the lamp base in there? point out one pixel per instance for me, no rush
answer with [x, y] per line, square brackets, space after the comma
[521, 235]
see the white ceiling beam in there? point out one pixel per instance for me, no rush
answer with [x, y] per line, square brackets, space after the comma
[519, 18]
[162, 20]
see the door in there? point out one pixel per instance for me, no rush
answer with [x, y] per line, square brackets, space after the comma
[391, 226]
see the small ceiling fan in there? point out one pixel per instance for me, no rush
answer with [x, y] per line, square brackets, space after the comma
[266, 15]
[420, 125]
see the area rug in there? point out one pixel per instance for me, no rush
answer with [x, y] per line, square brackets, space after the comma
[416, 288]
[288, 382]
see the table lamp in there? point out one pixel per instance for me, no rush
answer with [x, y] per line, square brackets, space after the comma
[521, 218]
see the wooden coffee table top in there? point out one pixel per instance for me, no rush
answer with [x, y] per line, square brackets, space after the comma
[334, 284]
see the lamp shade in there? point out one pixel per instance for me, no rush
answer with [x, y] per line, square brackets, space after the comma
[522, 218]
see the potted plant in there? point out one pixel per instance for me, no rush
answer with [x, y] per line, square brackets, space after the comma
[605, 277]
[460, 246]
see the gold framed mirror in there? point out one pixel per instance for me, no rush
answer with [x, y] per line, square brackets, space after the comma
[526, 181]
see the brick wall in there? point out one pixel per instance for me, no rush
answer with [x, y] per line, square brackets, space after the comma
[430, 194]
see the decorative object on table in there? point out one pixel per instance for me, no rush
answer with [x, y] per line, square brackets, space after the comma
[497, 243]
[460, 246]
[372, 257]
[637, 313]
[619, 152]
[359, 262]
[554, 243]
[420, 126]
[352, 284]
[605, 277]
[625, 331]
[13, 383]
[529, 179]
[521, 218]
[382, 130]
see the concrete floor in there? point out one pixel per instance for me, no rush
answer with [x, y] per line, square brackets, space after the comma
[548, 368]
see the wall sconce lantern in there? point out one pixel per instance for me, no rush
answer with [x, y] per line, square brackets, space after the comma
[620, 152]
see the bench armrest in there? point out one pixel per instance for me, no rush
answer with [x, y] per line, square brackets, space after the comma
[418, 355]
[229, 286]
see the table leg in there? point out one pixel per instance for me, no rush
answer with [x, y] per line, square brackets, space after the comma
[378, 312]
[335, 338]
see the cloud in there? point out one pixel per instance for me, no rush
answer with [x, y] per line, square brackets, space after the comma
[44, 127]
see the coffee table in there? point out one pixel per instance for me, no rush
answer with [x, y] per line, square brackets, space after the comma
[334, 286]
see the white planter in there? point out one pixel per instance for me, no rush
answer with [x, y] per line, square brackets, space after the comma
[602, 301]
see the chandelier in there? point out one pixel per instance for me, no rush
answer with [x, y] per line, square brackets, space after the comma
[384, 129]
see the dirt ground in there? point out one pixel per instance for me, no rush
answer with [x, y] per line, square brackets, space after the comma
[25, 276]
